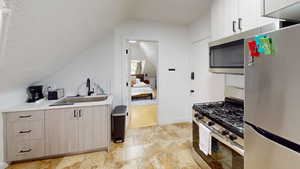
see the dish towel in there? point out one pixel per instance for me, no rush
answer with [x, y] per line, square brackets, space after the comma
[204, 139]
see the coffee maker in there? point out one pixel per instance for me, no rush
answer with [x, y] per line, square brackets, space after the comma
[35, 93]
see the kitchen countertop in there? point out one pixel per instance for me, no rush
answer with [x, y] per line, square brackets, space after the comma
[45, 105]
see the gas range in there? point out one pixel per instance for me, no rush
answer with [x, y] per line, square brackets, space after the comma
[225, 120]
[229, 114]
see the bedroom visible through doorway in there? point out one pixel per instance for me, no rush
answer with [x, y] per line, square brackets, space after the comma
[143, 64]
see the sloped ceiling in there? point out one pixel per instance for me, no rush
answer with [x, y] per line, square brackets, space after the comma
[43, 36]
[151, 52]
[145, 50]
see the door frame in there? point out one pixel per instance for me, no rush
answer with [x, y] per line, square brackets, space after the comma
[126, 100]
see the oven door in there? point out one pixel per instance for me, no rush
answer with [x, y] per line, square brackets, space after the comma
[222, 156]
[227, 57]
[226, 156]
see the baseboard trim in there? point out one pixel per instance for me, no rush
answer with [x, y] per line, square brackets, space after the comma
[3, 165]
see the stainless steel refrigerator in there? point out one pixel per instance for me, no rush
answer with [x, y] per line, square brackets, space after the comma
[272, 103]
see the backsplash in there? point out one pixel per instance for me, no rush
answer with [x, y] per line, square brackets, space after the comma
[235, 80]
[72, 89]
[234, 86]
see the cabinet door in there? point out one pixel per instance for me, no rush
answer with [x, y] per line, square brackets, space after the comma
[223, 14]
[86, 128]
[250, 13]
[61, 131]
[92, 128]
[101, 124]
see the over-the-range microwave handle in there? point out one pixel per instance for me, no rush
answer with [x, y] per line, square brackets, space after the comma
[277, 139]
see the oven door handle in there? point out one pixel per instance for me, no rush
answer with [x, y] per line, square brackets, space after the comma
[220, 138]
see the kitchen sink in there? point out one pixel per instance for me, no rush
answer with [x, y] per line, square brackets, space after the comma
[73, 100]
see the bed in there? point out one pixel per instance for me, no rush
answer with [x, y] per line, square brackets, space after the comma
[141, 90]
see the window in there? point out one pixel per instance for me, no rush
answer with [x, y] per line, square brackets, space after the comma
[137, 67]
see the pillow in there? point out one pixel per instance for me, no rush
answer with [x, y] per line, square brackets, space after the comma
[137, 81]
[140, 84]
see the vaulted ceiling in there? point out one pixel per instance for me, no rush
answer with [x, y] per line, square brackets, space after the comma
[43, 36]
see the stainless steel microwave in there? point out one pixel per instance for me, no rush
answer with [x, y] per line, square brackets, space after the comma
[226, 55]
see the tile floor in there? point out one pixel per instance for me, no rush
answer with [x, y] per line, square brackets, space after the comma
[143, 116]
[158, 147]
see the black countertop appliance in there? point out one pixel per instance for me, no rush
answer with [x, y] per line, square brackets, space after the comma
[35, 93]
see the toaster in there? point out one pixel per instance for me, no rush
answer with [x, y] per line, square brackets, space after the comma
[56, 94]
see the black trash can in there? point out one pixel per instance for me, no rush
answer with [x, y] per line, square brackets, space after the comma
[118, 122]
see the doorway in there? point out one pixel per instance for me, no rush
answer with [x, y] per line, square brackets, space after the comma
[143, 84]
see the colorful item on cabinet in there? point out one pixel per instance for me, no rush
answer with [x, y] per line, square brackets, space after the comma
[252, 45]
[258, 43]
[267, 45]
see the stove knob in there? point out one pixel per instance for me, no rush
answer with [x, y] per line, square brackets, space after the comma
[225, 132]
[200, 117]
[232, 137]
[211, 123]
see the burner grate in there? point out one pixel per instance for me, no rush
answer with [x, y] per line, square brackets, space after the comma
[230, 114]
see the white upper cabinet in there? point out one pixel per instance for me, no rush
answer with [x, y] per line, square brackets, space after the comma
[282, 9]
[234, 16]
[275, 5]
[250, 15]
[222, 22]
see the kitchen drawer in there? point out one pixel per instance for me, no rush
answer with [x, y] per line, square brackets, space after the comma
[25, 116]
[23, 150]
[25, 130]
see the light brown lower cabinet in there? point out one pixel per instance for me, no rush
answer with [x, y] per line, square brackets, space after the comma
[76, 130]
[39, 134]
[92, 128]
[61, 131]
[23, 135]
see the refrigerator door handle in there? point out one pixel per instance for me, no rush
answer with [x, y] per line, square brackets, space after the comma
[279, 140]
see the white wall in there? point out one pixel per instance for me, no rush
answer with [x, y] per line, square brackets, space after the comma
[44, 36]
[207, 86]
[200, 29]
[95, 63]
[236, 81]
[174, 51]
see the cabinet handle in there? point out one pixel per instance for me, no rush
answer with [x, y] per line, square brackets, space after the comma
[79, 113]
[23, 117]
[240, 24]
[27, 131]
[25, 151]
[233, 26]
[75, 114]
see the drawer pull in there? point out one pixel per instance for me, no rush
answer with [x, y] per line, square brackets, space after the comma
[27, 131]
[25, 151]
[23, 117]
[79, 113]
